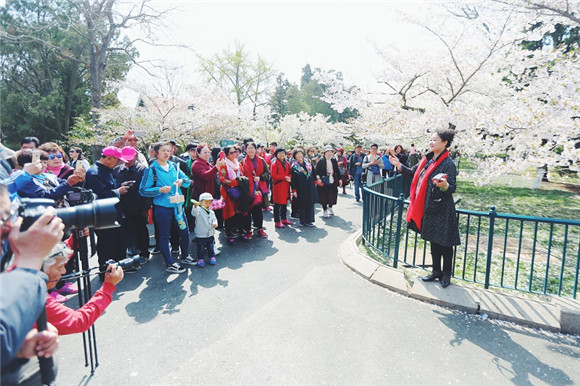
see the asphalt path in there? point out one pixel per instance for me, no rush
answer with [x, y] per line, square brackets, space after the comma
[285, 310]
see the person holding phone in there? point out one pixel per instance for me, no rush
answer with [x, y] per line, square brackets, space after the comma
[432, 209]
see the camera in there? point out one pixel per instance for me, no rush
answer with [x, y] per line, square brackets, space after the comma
[79, 196]
[127, 264]
[100, 214]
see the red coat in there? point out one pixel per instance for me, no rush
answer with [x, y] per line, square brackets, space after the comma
[280, 187]
[231, 207]
[261, 171]
[69, 321]
[203, 174]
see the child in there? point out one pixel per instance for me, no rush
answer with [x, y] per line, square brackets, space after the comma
[205, 223]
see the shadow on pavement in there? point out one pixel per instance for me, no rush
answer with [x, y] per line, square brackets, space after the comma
[495, 340]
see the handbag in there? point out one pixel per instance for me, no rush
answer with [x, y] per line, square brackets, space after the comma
[258, 197]
[325, 180]
[234, 193]
[220, 203]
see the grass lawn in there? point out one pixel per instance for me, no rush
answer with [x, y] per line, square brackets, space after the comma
[511, 194]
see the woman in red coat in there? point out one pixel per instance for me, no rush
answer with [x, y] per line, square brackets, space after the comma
[280, 171]
[203, 173]
[229, 173]
[254, 167]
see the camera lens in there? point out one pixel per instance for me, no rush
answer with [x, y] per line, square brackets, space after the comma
[99, 214]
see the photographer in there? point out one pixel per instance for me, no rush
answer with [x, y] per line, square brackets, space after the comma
[45, 185]
[100, 179]
[22, 177]
[67, 320]
[21, 305]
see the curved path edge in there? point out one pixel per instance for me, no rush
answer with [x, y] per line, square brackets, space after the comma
[560, 315]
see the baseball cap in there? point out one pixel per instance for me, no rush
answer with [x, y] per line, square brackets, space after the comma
[205, 196]
[126, 154]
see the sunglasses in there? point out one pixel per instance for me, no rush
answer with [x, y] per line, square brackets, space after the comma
[53, 156]
[73, 151]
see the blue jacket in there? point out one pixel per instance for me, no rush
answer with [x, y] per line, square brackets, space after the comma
[149, 188]
[100, 180]
[45, 186]
[16, 181]
[22, 298]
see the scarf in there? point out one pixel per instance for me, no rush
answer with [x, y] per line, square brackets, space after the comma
[256, 167]
[300, 169]
[419, 185]
[233, 168]
[55, 171]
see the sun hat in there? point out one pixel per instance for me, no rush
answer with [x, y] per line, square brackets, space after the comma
[328, 148]
[205, 196]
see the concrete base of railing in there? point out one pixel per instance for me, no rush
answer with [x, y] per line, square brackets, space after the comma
[559, 315]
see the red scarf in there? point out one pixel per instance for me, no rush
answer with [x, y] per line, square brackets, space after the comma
[417, 205]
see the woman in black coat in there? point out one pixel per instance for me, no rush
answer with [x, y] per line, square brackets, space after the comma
[328, 179]
[303, 189]
[432, 209]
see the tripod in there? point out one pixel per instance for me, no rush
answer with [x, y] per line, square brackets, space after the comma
[84, 283]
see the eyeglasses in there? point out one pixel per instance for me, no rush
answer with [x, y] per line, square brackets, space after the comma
[53, 156]
[11, 216]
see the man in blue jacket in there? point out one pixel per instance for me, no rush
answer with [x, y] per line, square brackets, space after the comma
[100, 179]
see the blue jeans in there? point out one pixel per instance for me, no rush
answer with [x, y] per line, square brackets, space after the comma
[204, 243]
[163, 218]
[357, 186]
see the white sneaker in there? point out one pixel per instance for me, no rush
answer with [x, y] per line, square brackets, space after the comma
[330, 211]
[325, 213]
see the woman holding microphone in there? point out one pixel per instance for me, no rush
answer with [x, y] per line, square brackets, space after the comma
[432, 210]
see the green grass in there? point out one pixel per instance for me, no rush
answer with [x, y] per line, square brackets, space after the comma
[544, 202]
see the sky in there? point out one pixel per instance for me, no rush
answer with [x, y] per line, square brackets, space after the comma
[337, 35]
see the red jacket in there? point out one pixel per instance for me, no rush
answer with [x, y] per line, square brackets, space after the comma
[203, 175]
[261, 171]
[280, 187]
[69, 321]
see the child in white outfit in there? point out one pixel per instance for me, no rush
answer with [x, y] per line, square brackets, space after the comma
[205, 224]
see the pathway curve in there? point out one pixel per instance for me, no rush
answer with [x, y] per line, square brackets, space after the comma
[286, 311]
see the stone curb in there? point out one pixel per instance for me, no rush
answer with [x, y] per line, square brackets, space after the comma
[561, 315]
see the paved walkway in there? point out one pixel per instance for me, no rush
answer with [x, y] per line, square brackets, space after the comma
[287, 311]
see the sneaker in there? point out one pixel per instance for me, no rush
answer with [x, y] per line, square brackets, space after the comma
[156, 251]
[231, 241]
[309, 224]
[245, 238]
[262, 234]
[212, 260]
[201, 263]
[302, 224]
[325, 213]
[58, 297]
[287, 222]
[330, 211]
[175, 268]
[68, 289]
[174, 251]
[249, 235]
[188, 260]
[279, 225]
[143, 259]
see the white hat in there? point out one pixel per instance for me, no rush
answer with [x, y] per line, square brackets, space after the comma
[205, 196]
[328, 148]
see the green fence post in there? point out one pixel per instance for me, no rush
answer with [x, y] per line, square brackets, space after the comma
[492, 215]
[401, 203]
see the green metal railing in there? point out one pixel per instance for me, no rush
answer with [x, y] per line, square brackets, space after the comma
[525, 253]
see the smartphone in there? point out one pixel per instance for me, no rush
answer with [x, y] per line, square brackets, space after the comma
[79, 167]
[36, 155]
[440, 176]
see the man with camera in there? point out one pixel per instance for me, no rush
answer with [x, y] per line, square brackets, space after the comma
[100, 179]
[24, 293]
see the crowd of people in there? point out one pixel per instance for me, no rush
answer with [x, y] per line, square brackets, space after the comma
[199, 191]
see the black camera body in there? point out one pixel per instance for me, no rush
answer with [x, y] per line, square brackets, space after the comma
[127, 264]
[79, 196]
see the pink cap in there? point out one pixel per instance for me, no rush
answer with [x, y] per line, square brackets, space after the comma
[126, 154]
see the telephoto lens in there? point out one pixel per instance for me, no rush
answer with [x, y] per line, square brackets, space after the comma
[127, 264]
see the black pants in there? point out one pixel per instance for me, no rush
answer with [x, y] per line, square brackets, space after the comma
[136, 234]
[234, 225]
[110, 245]
[295, 208]
[256, 216]
[325, 207]
[306, 213]
[438, 251]
[280, 212]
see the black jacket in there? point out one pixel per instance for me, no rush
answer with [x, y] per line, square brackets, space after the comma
[132, 203]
